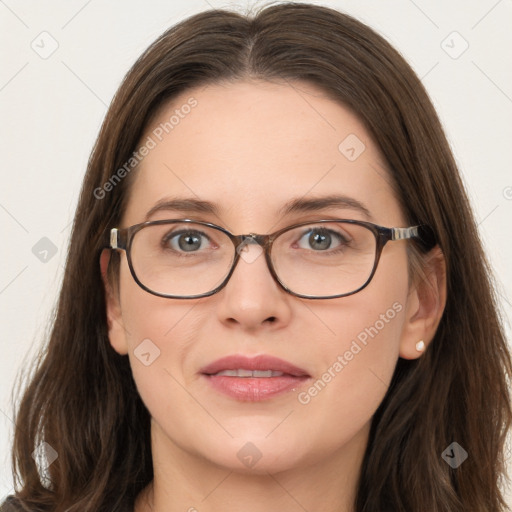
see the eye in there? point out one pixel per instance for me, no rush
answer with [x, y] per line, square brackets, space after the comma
[321, 239]
[185, 240]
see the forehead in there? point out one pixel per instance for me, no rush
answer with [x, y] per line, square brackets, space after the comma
[251, 147]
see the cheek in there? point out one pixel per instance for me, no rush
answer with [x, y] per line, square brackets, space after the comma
[377, 317]
[358, 357]
[158, 332]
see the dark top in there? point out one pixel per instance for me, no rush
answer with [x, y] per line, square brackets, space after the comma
[11, 504]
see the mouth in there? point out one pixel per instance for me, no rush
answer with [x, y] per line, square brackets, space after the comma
[250, 373]
[253, 379]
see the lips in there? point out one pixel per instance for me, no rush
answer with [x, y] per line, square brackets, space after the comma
[253, 379]
[255, 365]
[250, 373]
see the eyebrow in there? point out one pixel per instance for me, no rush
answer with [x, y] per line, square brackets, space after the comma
[299, 205]
[322, 203]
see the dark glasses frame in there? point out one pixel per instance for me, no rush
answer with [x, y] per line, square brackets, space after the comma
[122, 239]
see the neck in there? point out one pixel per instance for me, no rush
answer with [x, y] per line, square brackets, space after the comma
[184, 481]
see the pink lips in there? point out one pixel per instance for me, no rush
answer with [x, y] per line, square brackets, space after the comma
[272, 376]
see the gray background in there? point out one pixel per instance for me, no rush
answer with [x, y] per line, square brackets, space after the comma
[52, 105]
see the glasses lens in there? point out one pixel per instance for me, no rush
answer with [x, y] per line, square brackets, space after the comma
[323, 259]
[181, 258]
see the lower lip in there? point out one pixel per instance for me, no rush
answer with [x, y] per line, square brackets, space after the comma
[254, 389]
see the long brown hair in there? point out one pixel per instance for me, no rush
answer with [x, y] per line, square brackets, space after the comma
[81, 398]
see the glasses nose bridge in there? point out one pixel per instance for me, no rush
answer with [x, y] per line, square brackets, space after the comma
[240, 241]
[263, 240]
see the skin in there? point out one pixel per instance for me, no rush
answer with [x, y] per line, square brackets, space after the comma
[264, 144]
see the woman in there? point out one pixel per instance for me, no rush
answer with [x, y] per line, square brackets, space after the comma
[354, 360]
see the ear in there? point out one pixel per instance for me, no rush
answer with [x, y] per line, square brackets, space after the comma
[425, 305]
[116, 328]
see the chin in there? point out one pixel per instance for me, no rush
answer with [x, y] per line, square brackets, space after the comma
[257, 454]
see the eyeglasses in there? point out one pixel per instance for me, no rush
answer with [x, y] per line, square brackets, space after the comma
[324, 259]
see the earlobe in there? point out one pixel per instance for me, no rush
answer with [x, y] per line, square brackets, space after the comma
[425, 306]
[116, 329]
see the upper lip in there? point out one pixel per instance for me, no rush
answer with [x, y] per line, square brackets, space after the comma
[261, 362]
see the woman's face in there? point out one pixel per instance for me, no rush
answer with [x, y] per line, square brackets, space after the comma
[250, 148]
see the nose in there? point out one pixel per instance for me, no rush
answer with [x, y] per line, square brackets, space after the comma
[252, 299]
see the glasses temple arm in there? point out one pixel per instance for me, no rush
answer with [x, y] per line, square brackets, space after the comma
[423, 232]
